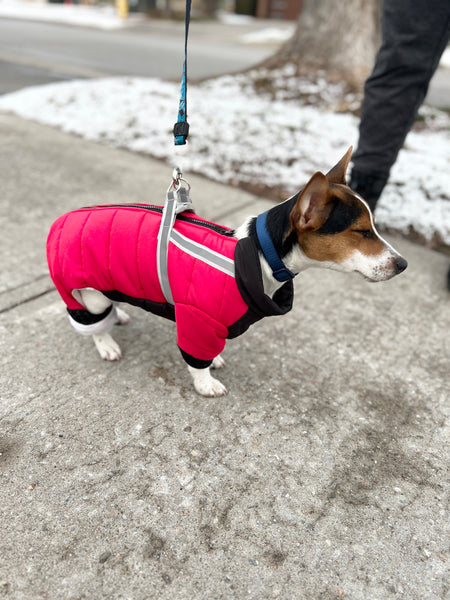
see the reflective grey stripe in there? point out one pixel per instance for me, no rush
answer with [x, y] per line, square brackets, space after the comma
[176, 202]
[167, 220]
[216, 260]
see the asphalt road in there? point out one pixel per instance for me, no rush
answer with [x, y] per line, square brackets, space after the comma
[33, 53]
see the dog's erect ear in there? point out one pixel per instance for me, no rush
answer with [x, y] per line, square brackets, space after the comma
[313, 205]
[337, 173]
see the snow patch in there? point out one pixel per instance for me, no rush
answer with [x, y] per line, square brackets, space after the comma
[268, 35]
[239, 136]
[100, 17]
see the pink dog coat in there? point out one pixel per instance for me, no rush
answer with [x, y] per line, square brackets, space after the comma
[215, 279]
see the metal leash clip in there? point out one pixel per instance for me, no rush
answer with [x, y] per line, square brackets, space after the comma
[180, 188]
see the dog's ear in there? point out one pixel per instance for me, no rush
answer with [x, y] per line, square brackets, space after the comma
[313, 205]
[337, 173]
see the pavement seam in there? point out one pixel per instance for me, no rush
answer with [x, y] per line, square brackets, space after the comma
[26, 300]
[22, 285]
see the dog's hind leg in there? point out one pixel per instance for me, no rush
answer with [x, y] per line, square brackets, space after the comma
[107, 346]
[96, 303]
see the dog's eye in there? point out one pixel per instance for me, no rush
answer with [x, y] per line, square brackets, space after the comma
[366, 233]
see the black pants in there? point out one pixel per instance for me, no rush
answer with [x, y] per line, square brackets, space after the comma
[414, 36]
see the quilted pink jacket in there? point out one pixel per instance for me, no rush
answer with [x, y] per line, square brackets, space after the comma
[112, 249]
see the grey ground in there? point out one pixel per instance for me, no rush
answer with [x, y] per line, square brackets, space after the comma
[323, 474]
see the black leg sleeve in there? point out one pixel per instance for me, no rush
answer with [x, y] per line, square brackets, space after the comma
[197, 363]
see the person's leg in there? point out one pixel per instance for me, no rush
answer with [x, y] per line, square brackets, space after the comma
[414, 35]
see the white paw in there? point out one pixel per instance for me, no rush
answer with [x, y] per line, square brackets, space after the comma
[218, 362]
[122, 317]
[205, 384]
[108, 348]
[212, 389]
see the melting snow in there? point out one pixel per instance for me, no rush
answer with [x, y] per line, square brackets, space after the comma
[239, 136]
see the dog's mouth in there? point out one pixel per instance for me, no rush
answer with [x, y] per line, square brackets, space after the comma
[385, 276]
[375, 279]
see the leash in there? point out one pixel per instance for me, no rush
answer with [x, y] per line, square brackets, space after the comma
[181, 127]
[177, 197]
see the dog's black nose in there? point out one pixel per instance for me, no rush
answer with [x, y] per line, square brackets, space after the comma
[400, 264]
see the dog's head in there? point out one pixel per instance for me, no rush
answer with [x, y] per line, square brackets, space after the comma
[335, 227]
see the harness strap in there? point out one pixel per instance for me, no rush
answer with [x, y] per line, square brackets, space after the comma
[181, 127]
[279, 269]
[167, 221]
[177, 201]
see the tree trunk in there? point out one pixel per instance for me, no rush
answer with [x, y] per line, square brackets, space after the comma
[338, 36]
[209, 7]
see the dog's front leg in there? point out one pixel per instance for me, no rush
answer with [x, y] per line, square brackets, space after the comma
[205, 384]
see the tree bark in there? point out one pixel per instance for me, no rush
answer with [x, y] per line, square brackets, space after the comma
[338, 36]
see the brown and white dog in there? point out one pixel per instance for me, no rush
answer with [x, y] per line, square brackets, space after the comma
[326, 225]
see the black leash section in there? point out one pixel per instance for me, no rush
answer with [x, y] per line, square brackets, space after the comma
[181, 127]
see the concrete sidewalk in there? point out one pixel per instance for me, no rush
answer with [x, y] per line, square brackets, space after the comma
[323, 474]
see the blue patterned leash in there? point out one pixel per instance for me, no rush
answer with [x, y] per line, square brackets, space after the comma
[181, 127]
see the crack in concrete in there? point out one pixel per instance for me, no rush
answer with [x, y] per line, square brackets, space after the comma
[26, 300]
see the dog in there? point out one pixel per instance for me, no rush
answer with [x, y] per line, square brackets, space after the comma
[220, 280]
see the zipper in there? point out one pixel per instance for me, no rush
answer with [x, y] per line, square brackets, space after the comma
[159, 209]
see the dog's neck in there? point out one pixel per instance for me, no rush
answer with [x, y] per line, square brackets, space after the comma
[286, 245]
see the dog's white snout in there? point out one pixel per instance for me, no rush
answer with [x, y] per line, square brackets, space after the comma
[378, 267]
[389, 265]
